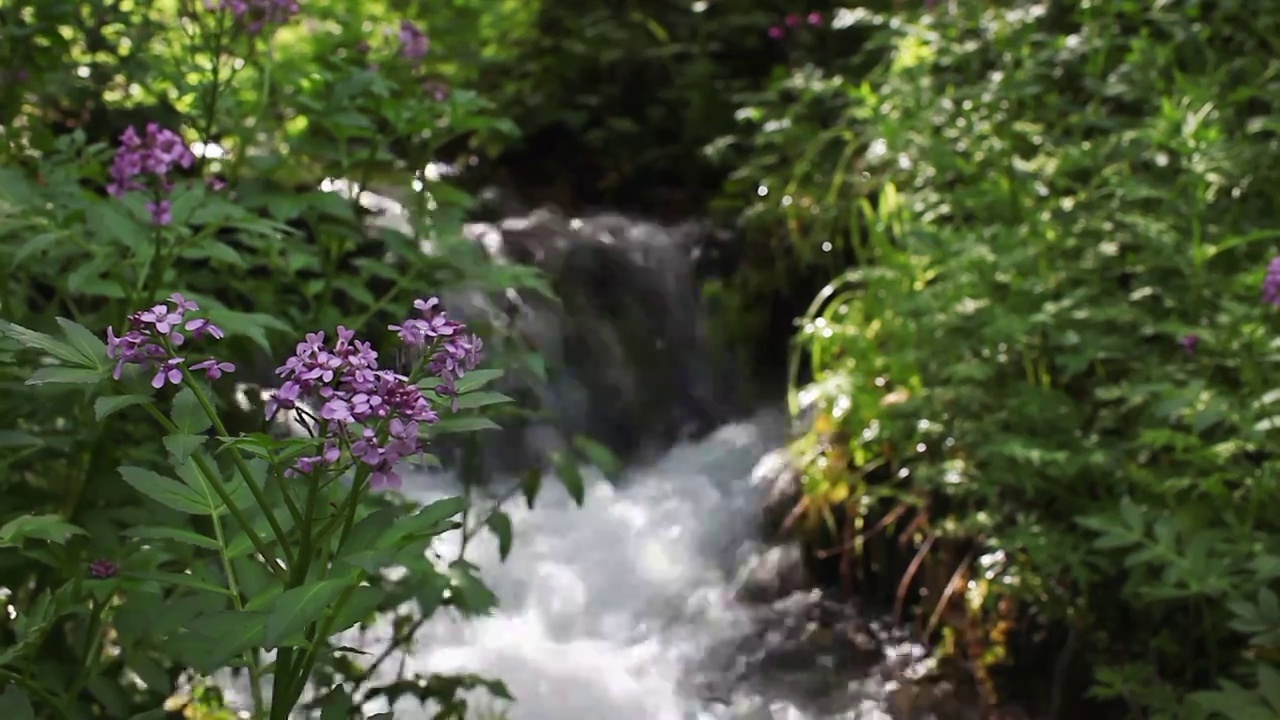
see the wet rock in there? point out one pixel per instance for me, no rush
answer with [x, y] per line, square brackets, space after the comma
[773, 574]
[628, 357]
[781, 485]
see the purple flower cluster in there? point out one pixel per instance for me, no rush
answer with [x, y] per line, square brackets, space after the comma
[354, 394]
[414, 43]
[103, 569]
[153, 336]
[793, 20]
[255, 15]
[143, 163]
[1271, 284]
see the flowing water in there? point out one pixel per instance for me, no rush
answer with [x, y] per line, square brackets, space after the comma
[624, 609]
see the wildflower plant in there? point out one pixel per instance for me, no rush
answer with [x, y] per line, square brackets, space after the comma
[289, 517]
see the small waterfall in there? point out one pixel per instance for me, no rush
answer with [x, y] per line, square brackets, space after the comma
[624, 609]
[628, 608]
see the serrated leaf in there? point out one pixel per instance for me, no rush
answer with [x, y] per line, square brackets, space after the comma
[62, 375]
[40, 341]
[188, 414]
[297, 608]
[186, 537]
[50, 528]
[166, 491]
[89, 345]
[106, 406]
[181, 447]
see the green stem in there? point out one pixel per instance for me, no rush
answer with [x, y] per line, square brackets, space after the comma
[250, 656]
[216, 483]
[258, 495]
[90, 653]
[37, 690]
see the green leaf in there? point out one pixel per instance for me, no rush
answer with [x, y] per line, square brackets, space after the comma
[183, 446]
[11, 438]
[51, 528]
[61, 375]
[15, 705]
[226, 635]
[297, 608]
[459, 425]
[178, 580]
[430, 520]
[531, 485]
[188, 414]
[106, 406]
[89, 345]
[165, 491]
[185, 537]
[474, 400]
[570, 475]
[40, 341]
[336, 704]
[211, 249]
[500, 523]
[599, 455]
[360, 606]
[470, 595]
[476, 379]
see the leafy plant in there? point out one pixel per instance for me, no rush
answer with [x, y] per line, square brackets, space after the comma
[1049, 372]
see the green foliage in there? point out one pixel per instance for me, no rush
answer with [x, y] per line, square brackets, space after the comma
[1062, 216]
[140, 530]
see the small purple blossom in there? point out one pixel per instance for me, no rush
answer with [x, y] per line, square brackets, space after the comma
[154, 334]
[256, 15]
[791, 20]
[1189, 343]
[375, 413]
[814, 19]
[776, 32]
[1271, 284]
[145, 163]
[414, 43]
[103, 569]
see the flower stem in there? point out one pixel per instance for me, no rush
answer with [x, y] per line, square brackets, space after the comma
[258, 495]
[216, 483]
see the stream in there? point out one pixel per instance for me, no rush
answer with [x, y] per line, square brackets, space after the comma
[624, 609]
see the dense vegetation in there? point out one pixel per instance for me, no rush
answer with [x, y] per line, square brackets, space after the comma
[1037, 378]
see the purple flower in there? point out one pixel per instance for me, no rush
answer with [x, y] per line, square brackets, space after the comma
[375, 413]
[145, 163]
[791, 20]
[413, 42]
[1271, 284]
[1189, 343]
[103, 569]
[776, 32]
[213, 368]
[255, 15]
[814, 18]
[153, 335]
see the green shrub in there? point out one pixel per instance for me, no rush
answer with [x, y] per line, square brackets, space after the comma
[1062, 215]
[102, 579]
